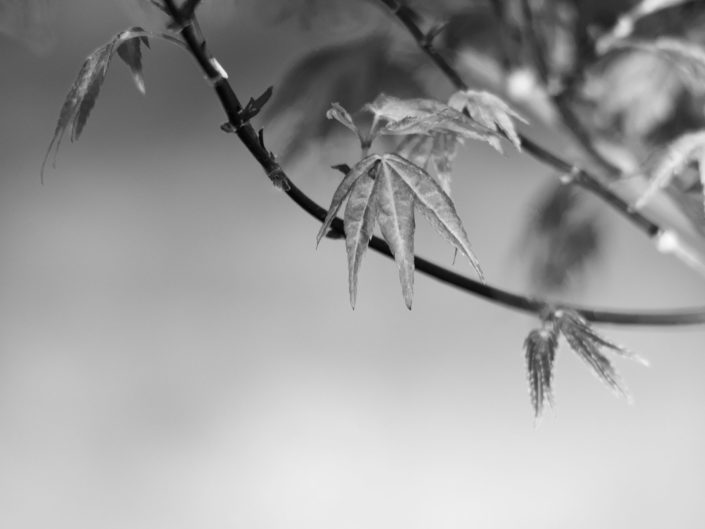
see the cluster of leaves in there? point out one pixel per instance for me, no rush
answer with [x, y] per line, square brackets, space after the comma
[386, 189]
[541, 346]
[86, 87]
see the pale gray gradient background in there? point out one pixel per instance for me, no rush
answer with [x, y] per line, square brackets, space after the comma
[175, 354]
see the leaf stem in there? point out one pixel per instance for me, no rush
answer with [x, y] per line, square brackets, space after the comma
[252, 141]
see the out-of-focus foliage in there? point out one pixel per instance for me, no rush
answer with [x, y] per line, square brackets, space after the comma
[351, 74]
[562, 238]
[686, 151]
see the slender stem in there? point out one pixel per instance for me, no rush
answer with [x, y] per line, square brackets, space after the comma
[254, 144]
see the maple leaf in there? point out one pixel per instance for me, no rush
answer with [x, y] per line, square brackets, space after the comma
[491, 112]
[385, 190]
[426, 116]
[343, 190]
[688, 148]
[86, 87]
[435, 154]
[541, 346]
[587, 344]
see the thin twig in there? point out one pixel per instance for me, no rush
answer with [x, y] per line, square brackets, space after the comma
[252, 141]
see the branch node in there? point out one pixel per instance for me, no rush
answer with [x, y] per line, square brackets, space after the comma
[278, 178]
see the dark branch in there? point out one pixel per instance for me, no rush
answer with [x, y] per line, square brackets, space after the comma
[252, 141]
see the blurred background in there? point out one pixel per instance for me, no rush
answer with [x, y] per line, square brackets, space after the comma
[175, 353]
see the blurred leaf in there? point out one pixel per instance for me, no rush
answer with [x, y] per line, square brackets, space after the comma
[626, 22]
[687, 58]
[351, 74]
[490, 111]
[632, 92]
[687, 149]
[540, 348]
[563, 237]
[85, 90]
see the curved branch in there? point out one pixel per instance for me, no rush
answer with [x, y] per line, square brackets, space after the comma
[254, 143]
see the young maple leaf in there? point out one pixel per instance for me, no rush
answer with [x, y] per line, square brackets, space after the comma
[541, 345]
[489, 111]
[587, 344]
[385, 190]
[540, 348]
[688, 148]
[86, 87]
[426, 116]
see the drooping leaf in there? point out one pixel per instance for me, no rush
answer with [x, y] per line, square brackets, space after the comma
[360, 216]
[490, 111]
[130, 51]
[540, 348]
[687, 149]
[436, 205]
[395, 210]
[343, 190]
[85, 90]
[587, 344]
[385, 190]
